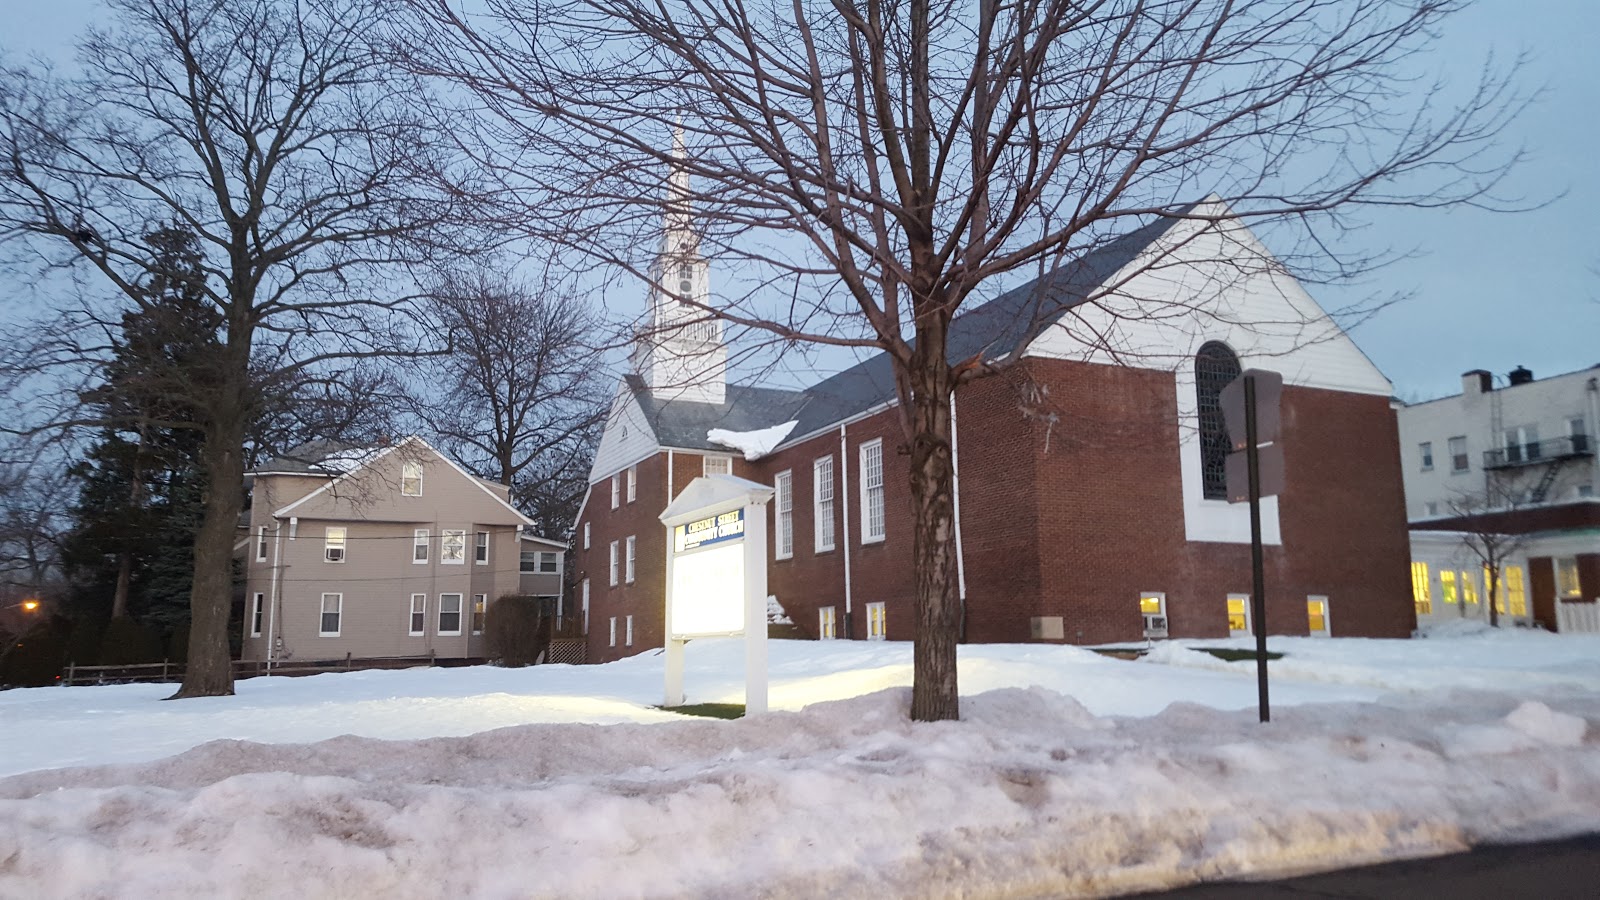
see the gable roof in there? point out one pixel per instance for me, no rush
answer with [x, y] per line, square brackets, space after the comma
[994, 329]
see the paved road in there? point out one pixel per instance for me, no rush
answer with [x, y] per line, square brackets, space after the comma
[1557, 870]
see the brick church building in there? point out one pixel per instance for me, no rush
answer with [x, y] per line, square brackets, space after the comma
[1089, 472]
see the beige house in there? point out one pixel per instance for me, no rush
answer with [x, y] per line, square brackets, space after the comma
[375, 552]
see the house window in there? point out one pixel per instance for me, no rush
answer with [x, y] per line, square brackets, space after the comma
[822, 503]
[1447, 587]
[585, 606]
[411, 479]
[633, 483]
[827, 624]
[449, 614]
[1469, 587]
[1580, 437]
[419, 614]
[872, 525]
[1427, 455]
[783, 513]
[1317, 615]
[613, 563]
[627, 638]
[717, 465]
[1433, 507]
[529, 562]
[453, 546]
[1522, 443]
[332, 605]
[333, 544]
[1567, 586]
[616, 492]
[613, 639]
[547, 563]
[419, 545]
[1514, 591]
[1422, 588]
[628, 571]
[261, 543]
[1215, 366]
[1238, 614]
[1458, 454]
[877, 622]
[480, 554]
[586, 535]
[480, 606]
[255, 614]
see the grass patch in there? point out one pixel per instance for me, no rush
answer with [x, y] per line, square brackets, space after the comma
[1229, 654]
[708, 710]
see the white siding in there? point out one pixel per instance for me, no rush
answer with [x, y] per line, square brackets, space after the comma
[628, 438]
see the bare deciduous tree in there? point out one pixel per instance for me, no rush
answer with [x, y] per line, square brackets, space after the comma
[269, 130]
[863, 168]
[1482, 520]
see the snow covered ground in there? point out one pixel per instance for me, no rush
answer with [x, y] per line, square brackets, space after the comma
[1070, 774]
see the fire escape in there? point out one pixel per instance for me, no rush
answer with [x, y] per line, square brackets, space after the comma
[1553, 454]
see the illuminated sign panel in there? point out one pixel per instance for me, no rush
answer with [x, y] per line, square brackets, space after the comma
[709, 530]
[708, 576]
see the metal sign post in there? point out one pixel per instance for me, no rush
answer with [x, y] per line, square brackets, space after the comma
[1251, 400]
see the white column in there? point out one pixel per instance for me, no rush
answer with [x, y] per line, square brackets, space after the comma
[755, 609]
[674, 648]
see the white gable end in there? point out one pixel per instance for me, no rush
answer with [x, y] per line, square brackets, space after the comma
[627, 438]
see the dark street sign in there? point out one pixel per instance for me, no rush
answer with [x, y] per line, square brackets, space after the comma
[1269, 390]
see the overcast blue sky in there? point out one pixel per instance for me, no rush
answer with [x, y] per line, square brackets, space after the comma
[1489, 290]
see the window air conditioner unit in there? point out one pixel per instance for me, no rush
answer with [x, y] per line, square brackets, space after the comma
[336, 554]
[1155, 626]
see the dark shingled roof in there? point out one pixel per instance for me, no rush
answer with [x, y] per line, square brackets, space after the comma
[992, 330]
[304, 459]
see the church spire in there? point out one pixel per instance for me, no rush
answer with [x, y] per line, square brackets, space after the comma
[678, 238]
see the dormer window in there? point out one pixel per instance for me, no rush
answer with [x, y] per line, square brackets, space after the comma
[411, 479]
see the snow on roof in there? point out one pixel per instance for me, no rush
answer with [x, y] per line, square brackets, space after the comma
[347, 461]
[753, 444]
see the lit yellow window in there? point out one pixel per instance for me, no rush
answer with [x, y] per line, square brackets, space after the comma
[1317, 615]
[1150, 604]
[1447, 586]
[1421, 588]
[1238, 615]
[1516, 591]
[1469, 589]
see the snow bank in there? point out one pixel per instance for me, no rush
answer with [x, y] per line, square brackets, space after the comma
[753, 444]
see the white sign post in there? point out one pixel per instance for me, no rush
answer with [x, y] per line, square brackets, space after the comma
[717, 577]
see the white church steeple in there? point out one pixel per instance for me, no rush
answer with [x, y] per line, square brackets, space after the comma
[679, 353]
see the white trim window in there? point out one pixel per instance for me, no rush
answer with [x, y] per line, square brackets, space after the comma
[872, 524]
[633, 483]
[411, 479]
[255, 614]
[419, 615]
[616, 492]
[1317, 619]
[586, 535]
[480, 553]
[453, 546]
[613, 565]
[627, 639]
[261, 543]
[333, 544]
[822, 503]
[449, 614]
[1239, 615]
[1459, 461]
[548, 563]
[586, 606]
[419, 546]
[717, 465]
[1426, 449]
[332, 614]
[613, 631]
[632, 547]
[877, 622]
[1568, 586]
[827, 623]
[783, 514]
[480, 609]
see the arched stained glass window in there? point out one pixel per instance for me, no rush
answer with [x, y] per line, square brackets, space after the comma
[1214, 366]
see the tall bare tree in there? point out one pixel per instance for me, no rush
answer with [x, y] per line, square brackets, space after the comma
[272, 132]
[866, 167]
[1486, 522]
[519, 398]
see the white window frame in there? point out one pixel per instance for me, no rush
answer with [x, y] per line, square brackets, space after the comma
[614, 565]
[1426, 449]
[449, 537]
[716, 464]
[555, 562]
[1561, 565]
[480, 612]
[633, 482]
[827, 623]
[586, 606]
[256, 610]
[333, 546]
[1327, 615]
[613, 631]
[261, 543]
[1248, 630]
[783, 514]
[460, 613]
[480, 550]
[419, 541]
[338, 615]
[586, 535]
[616, 492]
[1465, 456]
[627, 639]
[411, 471]
[822, 494]
[872, 493]
[628, 569]
[877, 621]
[417, 619]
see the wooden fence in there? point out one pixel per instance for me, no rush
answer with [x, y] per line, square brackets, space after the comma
[167, 671]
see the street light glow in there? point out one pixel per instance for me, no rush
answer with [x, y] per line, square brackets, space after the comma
[30, 605]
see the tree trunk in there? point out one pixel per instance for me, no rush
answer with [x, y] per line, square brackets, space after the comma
[934, 695]
[210, 668]
[1494, 581]
[119, 598]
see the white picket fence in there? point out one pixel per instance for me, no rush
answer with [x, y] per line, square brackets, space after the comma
[1578, 617]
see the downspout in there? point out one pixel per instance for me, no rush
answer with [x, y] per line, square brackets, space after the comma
[955, 489]
[844, 509]
[1593, 425]
[272, 604]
